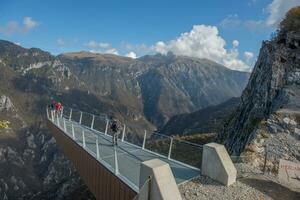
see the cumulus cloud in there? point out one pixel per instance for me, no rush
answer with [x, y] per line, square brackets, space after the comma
[13, 27]
[235, 43]
[131, 54]
[248, 55]
[204, 42]
[277, 10]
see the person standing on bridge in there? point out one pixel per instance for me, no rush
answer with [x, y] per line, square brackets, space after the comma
[58, 108]
[115, 129]
[52, 110]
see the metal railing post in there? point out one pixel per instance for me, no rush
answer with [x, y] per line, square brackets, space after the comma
[92, 124]
[61, 112]
[83, 139]
[144, 141]
[170, 148]
[65, 128]
[52, 116]
[57, 121]
[116, 162]
[73, 132]
[106, 127]
[47, 113]
[80, 117]
[70, 116]
[123, 134]
[97, 148]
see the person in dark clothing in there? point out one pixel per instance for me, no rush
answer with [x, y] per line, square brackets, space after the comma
[52, 106]
[52, 110]
[115, 129]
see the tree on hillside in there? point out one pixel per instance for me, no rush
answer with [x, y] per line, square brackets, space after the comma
[291, 22]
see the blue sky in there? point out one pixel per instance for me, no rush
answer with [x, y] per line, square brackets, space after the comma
[134, 28]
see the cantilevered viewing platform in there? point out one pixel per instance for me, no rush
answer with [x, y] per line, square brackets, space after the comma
[91, 134]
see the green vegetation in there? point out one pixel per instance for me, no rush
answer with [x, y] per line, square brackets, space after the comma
[4, 124]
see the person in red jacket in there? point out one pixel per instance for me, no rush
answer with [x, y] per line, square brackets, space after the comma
[58, 108]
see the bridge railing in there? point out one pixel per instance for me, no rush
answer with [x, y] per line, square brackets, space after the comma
[91, 143]
[172, 148]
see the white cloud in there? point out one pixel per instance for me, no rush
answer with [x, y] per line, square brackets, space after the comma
[255, 25]
[142, 49]
[204, 42]
[131, 54]
[235, 43]
[230, 22]
[13, 27]
[277, 10]
[104, 45]
[252, 2]
[60, 42]
[112, 51]
[248, 55]
[95, 46]
[91, 44]
[29, 23]
[17, 43]
[101, 47]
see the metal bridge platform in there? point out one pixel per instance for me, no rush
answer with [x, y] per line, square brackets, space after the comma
[122, 161]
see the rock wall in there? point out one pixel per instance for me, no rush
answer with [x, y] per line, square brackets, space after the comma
[268, 118]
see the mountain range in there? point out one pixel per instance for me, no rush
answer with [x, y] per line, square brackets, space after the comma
[144, 93]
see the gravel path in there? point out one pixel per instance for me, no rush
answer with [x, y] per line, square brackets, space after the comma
[248, 187]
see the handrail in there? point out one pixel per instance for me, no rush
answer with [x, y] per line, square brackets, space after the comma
[150, 133]
[174, 137]
[172, 145]
[96, 115]
[114, 169]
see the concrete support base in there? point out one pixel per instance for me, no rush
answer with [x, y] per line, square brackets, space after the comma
[162, 185]
[217, 164]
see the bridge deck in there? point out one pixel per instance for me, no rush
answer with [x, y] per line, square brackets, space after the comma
[129, 156]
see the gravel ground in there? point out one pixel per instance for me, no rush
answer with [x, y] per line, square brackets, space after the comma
[249, 186]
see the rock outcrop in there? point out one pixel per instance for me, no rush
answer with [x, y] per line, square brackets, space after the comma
[5, 103]
[267, 121]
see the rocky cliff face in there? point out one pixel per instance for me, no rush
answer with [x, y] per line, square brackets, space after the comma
[268, 118]
[31, 166]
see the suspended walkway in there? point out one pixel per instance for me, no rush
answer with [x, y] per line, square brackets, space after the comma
[88, 136]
